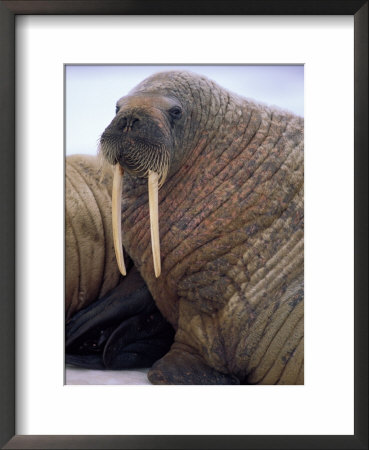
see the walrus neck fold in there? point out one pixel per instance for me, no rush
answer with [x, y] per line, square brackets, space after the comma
[153, 181]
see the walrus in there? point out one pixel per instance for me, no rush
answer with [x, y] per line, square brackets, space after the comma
[224, 258]
[111, 323]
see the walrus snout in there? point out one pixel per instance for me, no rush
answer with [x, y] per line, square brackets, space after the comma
[139, 139]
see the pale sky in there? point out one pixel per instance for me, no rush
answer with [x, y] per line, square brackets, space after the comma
[92, 91]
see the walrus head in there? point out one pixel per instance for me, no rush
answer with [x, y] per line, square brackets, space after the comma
[139, 137]
[142, 140]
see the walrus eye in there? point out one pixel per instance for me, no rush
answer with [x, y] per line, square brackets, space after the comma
[175, 112]
[116, 109]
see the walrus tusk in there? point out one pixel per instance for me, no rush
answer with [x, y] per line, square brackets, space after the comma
[116, 217]
[154, 220]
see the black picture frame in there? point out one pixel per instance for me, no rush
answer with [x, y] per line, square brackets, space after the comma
[8, 11]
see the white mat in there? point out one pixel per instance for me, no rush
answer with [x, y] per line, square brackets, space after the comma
[75, 375]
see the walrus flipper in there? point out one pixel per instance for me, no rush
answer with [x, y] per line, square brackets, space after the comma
[124, 329]
[139, 341]
[181, 367]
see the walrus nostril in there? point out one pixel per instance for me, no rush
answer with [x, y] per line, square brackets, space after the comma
[127, 123]
[122, 123]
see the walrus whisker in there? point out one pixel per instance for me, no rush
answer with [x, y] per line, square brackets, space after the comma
[154, 220]
[116, 217]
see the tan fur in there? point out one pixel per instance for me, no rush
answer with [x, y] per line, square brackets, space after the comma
[90, 265]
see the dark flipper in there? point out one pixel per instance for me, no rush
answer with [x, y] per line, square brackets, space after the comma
[124, 329]
[140, 340]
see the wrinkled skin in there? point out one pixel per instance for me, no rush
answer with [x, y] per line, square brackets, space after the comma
[111, 322]
[91, 269]
[231, 229]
